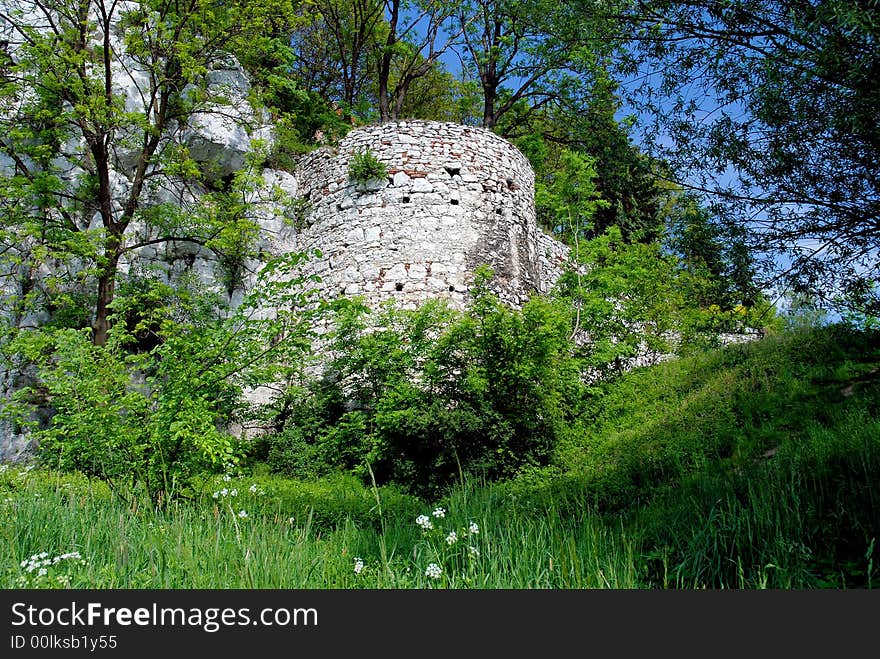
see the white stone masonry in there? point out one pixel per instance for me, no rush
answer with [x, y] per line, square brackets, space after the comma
[455, 197]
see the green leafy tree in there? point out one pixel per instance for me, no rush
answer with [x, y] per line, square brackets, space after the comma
[628, 300]
[771, 107]
[411, 49]
[95, 94]
[566, 197]
[716, 259]
[536, 52]
[624, 176]
[438, 95]
[335, 50]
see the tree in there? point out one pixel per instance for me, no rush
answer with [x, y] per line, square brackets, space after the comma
[439, 96]
[625, 177]
[335, 51]
[537, 52]
[146, 412]
[771, 108]
[412, 43]
[93, 104]
[719, 264]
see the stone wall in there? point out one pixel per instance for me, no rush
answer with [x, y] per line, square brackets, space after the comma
[455, 197]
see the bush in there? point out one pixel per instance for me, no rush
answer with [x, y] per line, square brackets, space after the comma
[365, 166]
[149, 416]
[423, 396]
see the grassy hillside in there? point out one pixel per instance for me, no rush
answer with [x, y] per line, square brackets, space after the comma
[751, 467]
[726, 409]
[754, 465]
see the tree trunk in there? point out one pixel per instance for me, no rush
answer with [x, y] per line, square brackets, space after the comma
[384, 105]
[106, 292]
[490, 93]
[385, 114]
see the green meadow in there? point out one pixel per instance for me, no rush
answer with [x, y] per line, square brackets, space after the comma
[753, 466]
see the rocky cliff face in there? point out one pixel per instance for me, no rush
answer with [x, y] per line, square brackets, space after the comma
[455, 197]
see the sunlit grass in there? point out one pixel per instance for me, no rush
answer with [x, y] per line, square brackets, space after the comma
[659, 494]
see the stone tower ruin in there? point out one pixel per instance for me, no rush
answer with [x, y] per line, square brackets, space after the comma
[455, 197]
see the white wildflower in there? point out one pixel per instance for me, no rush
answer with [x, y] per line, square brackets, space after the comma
[242, 513]
[358, 565]
[233, 493]
[226, 478]
[439, 513]
[473, 551]
[42, 572]
[424, 522]
[253, 488]
[473, 529]
[452, 538]
[433, 571]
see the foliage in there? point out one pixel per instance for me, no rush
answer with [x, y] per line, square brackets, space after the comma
[338, 68]
[410, 50]
[567, 200]
[627, 302]
[639, 298]
[803, 516]
[66, 130]
[626, 180]
[364, 166]
[537, 52]
[771, 108]
[302, 119]
[421, 396]
[152, 419]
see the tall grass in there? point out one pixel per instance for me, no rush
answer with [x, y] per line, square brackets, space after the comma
[807, 518]
[206, 545]
[753, 467]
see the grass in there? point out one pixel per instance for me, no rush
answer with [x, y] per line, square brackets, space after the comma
[752, 467]
[207, 545]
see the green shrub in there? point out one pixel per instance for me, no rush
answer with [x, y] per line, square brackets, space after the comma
[423, 396]
[365, 166]
[149, 416]
[287, 146]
